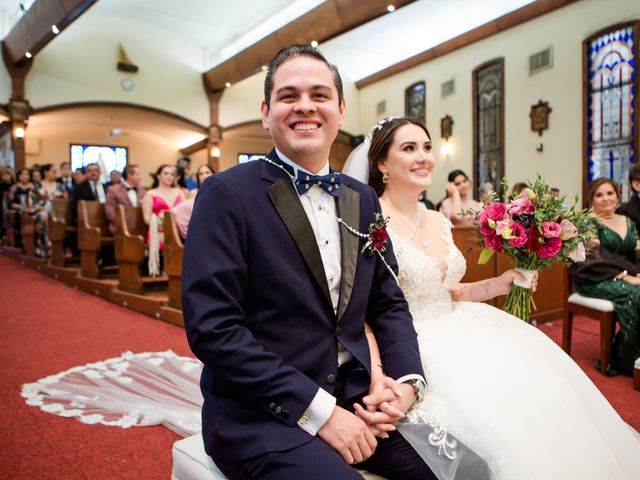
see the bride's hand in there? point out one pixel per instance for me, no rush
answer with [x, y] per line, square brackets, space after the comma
[505, 281]
[380, 382]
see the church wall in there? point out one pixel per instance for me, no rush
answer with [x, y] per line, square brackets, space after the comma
[560, 162]
[5, 84]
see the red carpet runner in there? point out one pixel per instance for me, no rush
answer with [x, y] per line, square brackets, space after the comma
[47, 327]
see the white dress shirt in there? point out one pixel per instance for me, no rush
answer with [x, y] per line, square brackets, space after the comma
[98, 189]
[320, 208]
[131, 193]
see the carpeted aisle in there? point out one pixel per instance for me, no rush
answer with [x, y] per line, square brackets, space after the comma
[47, 327]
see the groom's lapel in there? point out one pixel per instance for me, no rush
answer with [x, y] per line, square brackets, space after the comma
[287, 203]
[349, 211]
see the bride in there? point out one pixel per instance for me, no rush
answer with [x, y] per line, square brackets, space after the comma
[499, 385]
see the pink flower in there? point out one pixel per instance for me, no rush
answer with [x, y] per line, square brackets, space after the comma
[519, 235]
[551, 248]
[551, 230]
[486, 230]
[494, 211]
[569, 230]
[521, 206]
[501, 226]
[495, 243]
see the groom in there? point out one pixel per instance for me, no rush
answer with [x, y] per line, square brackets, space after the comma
[276, 293]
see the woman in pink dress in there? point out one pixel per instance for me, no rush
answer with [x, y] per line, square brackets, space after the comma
[163, 196]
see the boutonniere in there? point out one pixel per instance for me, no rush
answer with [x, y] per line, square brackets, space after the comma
[375, 239]
[378, 236]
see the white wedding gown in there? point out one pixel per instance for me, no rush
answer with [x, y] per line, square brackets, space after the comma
[503, 388]
[495, 383]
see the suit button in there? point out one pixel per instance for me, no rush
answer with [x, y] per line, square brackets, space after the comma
[272, 405]
[278, 409]
[331, 378]
[338, 331]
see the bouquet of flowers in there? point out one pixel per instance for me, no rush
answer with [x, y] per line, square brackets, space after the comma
[535, 229]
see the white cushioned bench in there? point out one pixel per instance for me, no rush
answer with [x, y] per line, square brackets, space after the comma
[190, 462]
[589, 302]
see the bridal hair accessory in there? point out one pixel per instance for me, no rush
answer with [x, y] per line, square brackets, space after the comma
[376, 238]
[357, 164]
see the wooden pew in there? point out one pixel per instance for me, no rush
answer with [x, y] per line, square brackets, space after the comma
[28, 233]
[467, 240]
[173, 249]
[92, 236]
[131, 246]
[61, 230]
[9, 223]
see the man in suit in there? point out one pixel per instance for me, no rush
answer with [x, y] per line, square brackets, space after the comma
[66, 177]
[276, 293]
[127, 192]
[632, 208]
[91, 189]
[115, 177]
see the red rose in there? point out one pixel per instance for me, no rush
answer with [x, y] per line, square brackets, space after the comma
[495, 243]
[379, 237]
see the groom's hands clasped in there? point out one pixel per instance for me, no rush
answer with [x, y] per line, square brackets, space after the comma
[348, 435]
[385, 405]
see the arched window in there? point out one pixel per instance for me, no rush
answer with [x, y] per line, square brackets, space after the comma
[488, 125]
[611, 104]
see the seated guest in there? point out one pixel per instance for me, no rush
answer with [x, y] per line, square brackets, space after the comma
[6, 182]
[79, 175]
[518, 188]
[127, 192]
[427, 203]
[163, 196]
[22, 198]
[485, 193]
[91, 189]
[459, 199]
[49, 189]
[115, 177]
[610, 273]
[36, 175]
[632, 208]
[182, 211]
[66, 177]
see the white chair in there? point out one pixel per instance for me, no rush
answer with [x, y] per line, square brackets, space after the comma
[190, 462]
[596, 308]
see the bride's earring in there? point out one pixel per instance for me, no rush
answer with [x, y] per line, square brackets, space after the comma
[385, 178]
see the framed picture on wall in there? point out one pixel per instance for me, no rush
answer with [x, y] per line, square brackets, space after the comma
[415, 101]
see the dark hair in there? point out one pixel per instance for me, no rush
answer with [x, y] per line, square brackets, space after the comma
[128, 170]
[455, 174]
[381, 140]
[79, 169]
[180, 180]
[91, 165]
[293, 51]
[597, 183]
[517, 189]
[155, 176]
[64, 163]
[198, 172]
[634, 174]
[45, 168]
[19, 172]
[182, 161]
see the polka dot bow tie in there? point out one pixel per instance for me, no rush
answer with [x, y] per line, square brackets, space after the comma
[329, 183]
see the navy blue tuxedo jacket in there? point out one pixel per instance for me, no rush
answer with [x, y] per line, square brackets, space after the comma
[258, 312]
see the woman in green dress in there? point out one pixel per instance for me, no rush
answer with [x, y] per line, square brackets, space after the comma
[610, 272]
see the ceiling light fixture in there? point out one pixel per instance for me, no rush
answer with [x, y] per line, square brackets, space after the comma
[215, 152]
[228, 84]
[55, 29]
[28, 54]
[314, 44]
[264, 68]
[391, 8]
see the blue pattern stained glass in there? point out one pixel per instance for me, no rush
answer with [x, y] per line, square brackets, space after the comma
[611, 114]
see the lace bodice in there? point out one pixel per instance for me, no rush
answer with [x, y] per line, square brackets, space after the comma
[420, 276]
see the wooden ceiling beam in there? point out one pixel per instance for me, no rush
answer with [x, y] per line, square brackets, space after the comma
[33, 31]
[326, 21]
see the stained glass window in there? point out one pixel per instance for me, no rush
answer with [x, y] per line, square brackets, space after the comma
[489, 129]
[611, 117]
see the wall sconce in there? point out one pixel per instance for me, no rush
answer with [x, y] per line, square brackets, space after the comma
[19, 132]
[215, 151]
[445, 150]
